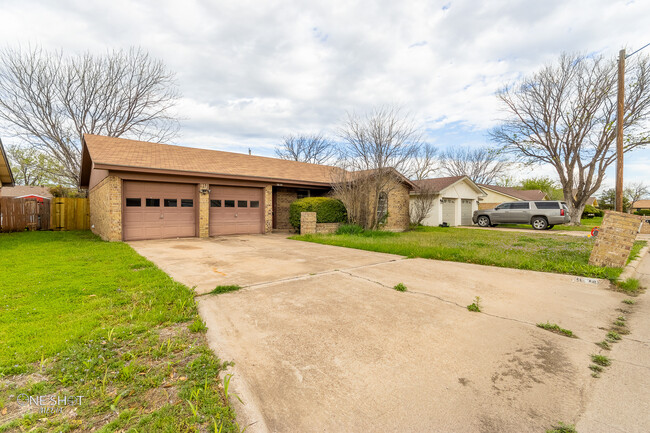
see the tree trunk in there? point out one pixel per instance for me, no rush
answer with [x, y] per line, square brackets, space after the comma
[576, 214]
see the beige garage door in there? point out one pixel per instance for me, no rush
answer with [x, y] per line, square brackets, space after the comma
[157, 210]
[235, 210]
[449, 211]
[466, 212]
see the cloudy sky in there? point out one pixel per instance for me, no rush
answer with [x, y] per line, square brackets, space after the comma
[253, 71]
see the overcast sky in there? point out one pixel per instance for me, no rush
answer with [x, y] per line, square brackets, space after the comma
[253, 71]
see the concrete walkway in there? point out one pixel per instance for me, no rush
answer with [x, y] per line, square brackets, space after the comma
[620, 401]
[322, 343]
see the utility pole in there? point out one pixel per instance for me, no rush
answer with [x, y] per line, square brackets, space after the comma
[620, 112]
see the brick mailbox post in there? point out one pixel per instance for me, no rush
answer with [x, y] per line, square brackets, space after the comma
[615, 239]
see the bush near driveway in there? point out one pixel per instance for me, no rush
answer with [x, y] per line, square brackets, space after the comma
[547, 253]
[328, 210]
[79, 316]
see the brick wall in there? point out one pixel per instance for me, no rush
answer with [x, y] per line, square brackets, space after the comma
[268, 209]
[283, 199]
[204, 211]
[307, 223]
[398, 208]
[614, 242]
[105, 201]
[326, 228]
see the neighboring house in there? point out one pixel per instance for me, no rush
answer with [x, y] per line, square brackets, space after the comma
[593, 201]
[39, 193]
[6, 177]
[640, 205]
[456, 200]
[141, 190]
[495, 195]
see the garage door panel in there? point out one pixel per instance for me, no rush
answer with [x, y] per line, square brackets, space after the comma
[449, 211]
[466, 212]
[239, 217]
[166, 220]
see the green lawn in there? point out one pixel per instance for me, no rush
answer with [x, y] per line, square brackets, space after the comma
[586, 224]
[548, 253]
[80, 316]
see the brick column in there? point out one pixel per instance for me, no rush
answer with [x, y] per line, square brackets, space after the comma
[268, 209]
[615, 239]
[204, 211]
[307, 223]
[105, 201]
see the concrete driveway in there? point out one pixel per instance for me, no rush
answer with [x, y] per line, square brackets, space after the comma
[322, 342]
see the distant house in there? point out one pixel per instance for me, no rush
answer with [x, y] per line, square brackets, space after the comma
[641, 205]
[593, 201]
[6, 177]
[456, 200]
[495, 195]
[39, 193]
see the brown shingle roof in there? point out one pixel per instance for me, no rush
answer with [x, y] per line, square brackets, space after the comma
[437, 184]
[528, 194]
[22, 190]
[132, 154]
[641, 204]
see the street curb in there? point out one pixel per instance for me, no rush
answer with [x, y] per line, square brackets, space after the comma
[630, 270]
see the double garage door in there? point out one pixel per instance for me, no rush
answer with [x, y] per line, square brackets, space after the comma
[449, 211]
[159, 210]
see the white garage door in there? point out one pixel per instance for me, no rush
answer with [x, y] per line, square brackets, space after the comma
[449, 211]
[466, 212]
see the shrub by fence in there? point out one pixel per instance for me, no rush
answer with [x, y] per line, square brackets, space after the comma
[19, 214]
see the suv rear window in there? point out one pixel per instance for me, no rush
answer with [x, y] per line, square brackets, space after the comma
[547, 205]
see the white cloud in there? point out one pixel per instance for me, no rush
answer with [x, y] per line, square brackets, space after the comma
[253, 71]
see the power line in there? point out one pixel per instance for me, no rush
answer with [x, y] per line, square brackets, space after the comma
[630, 55]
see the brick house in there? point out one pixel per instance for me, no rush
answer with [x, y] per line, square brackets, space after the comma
[141, 190]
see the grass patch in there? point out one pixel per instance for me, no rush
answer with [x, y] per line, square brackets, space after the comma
[562, 428]
[547, 253]
[225, 289]
[79, 316]
[628, 301]
[636, 250]
[400, 287]
[198, 326]
[596, 368]
[613, 336]
[630, 286]
[475, 306]
[601, 360]
[553, 327]
[604, 345]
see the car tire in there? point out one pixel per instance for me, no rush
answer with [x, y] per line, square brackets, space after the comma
[539, 223]
[483, 221]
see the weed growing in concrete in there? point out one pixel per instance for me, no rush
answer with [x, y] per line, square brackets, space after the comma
[400, 287]
[613, 336]
[619, 323]
[604, 345]
[628, 301]
[562, 428]
[475, 306]
[225, 289]
[631, 286]
[198, 326]
[553, 327]
[596, 368]
[601, 360]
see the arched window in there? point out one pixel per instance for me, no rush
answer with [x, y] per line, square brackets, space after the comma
[382, 206]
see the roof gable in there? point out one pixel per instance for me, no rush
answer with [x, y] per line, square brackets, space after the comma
[440, 184]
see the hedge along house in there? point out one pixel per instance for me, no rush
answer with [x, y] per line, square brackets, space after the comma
[140, 190]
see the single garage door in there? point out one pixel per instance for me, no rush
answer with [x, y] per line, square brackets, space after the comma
[235, 210]
[158, 210]
[466, 212]
[449, 211]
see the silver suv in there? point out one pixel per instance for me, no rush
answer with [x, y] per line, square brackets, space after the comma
[542, 215]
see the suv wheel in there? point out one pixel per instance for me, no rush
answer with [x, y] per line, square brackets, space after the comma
[539, 223]
[483, 221]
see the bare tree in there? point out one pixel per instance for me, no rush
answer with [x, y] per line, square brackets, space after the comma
[636, 191]
[423, 164]
[313, 148]
[32, 167]
[564, 115]
[482, 165]
[422, 201]
[49, 100]
[377, 148]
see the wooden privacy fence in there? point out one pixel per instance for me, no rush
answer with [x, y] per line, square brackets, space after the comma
[19, 214]
[70, 214]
